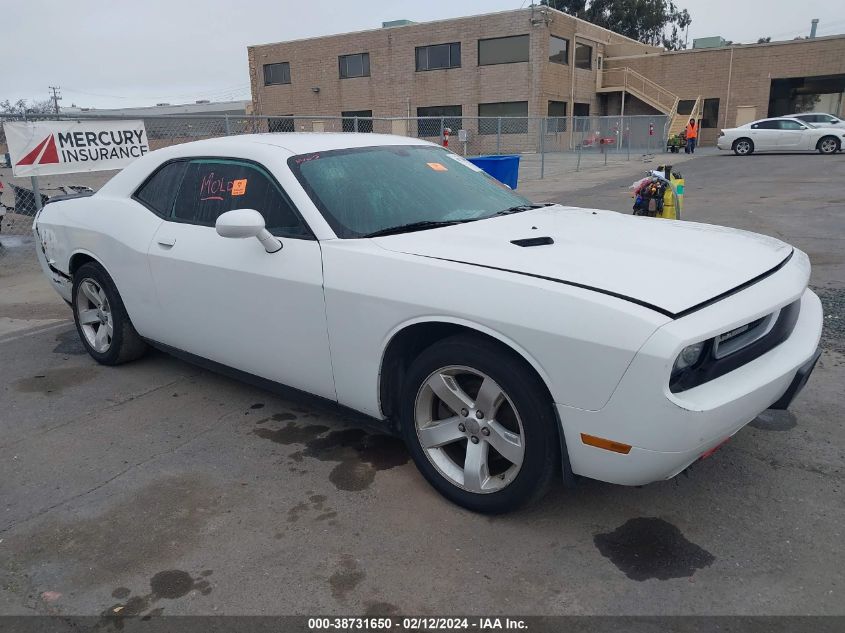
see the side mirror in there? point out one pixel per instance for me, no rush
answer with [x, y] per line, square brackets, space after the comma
[243, 223]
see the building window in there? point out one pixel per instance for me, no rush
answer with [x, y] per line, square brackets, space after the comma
[276, 74]
[451, 118]
[685, 106]
[503, 50]
[364, 118]
[357, 65]
[558, 50]
[710, 113]
[581, 112]
[583, 56]
[439, 56]
[557, 117]
[281, 124]
[508, 110]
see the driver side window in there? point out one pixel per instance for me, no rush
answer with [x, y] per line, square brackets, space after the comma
[213, 186]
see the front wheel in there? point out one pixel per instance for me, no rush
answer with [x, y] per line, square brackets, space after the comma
[743, 147]
[828, 145]
[479, 424]
[101, 319]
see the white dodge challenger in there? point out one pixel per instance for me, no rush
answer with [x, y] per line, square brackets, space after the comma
[506, 341]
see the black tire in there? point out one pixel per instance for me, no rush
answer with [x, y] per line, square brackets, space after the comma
[530, 400]
[828, 145]
[126, 344]
[743, 147]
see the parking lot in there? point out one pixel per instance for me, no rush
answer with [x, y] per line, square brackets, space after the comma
[157, 487]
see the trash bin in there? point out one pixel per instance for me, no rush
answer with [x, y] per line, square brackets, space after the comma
[505, 168]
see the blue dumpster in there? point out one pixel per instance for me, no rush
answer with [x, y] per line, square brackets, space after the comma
[505, 168]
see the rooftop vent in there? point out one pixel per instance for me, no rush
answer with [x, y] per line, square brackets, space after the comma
[709, 42]
[391, 23]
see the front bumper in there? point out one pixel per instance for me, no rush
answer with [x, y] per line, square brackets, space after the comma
[668, 432]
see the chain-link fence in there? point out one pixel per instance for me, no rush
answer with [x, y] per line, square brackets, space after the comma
[549, 147]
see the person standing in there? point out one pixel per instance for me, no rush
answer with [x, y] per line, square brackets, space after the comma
[692, 136]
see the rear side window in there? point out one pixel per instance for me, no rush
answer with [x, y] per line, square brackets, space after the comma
[212, 187]
[771, 124]
[160, 189]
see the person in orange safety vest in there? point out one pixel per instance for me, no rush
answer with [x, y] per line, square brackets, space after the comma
[692, 136]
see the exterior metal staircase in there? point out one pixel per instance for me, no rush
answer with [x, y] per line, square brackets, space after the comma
[679, 121]
[624, 79]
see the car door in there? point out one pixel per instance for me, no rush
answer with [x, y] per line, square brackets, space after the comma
[793, 135]
[765, 134]
[228, 300]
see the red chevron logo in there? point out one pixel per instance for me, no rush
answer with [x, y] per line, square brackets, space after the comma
[44, 153]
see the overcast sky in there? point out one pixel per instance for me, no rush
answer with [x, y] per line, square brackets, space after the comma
[105, 53]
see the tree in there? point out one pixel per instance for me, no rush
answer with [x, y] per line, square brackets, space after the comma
[21, 107]
[18, 107]
[764, 40]
[655, 22]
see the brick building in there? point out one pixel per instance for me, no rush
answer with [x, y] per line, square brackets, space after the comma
[538, 62]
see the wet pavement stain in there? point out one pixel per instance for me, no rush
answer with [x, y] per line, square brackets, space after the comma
[346, 578]
[69, 343]
[315, 504]
[277, 417]
[55, 380]
[646, 548]
[773, 420]
[382, 609]
[171, 584]
[291, 434]
[165, 585]
[154, 523]
[360, 455]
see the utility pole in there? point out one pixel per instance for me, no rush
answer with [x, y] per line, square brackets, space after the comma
[56, 97]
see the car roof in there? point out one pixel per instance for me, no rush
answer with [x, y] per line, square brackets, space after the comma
[798, 114]
[773, 118]
[293, 142]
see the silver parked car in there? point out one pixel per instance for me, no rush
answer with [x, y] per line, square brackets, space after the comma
[818, 119]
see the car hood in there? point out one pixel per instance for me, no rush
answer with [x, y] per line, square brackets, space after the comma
[667, 265]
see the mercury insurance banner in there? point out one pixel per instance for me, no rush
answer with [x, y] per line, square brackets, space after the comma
[40, 148]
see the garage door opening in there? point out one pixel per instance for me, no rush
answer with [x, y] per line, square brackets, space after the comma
[824, 93]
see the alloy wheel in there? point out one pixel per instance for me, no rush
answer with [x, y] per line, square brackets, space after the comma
[828, 146]
[95, 316]
[743, 147]
[469, 429]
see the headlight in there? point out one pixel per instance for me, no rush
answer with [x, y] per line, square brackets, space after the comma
[688, 357]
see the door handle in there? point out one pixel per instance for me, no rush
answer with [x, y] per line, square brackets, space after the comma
[166, 242]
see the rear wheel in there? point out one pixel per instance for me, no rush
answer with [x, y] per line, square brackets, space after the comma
[101, 319]
[828, 145]
[743, 147]
[479, 425]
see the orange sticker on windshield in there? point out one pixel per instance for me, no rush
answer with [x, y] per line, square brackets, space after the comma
[239, 187]
[437, 166]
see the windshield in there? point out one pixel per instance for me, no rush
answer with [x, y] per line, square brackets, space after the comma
[370, 189]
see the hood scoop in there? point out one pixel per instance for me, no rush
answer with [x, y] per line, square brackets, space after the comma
[533, 241]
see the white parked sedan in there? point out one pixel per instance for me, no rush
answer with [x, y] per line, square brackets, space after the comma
[819, 119]
[780, 134]
[504, 340]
